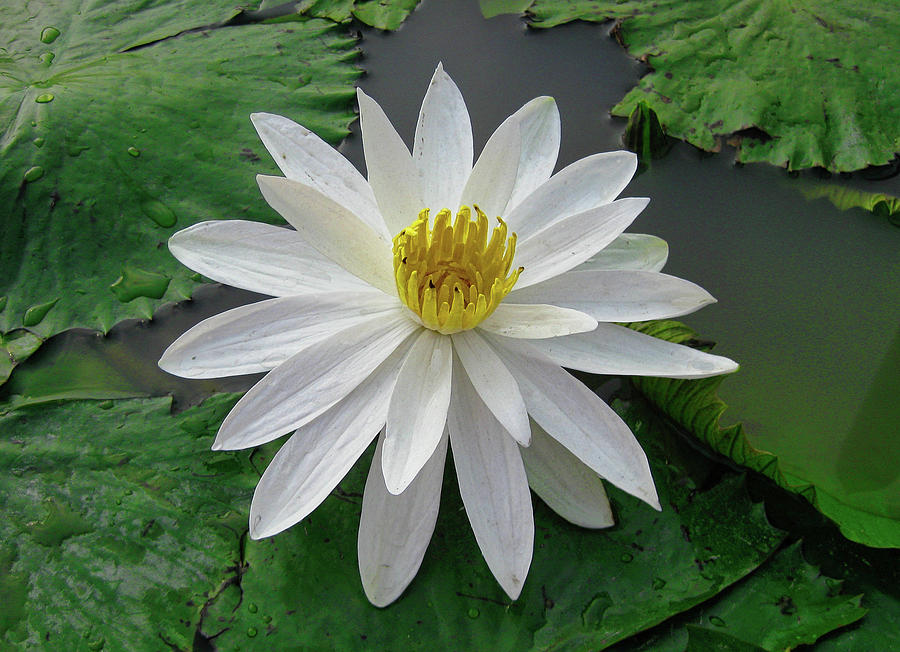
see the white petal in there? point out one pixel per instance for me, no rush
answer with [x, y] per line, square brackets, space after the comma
[570, 242]
[585, 184]
[618, 295]
[443, 151]
[418, 409]
[492, 180]
[312, 381]
[565, 483]
[316, 457]
[635, 251]
[493, 486]
[389, 165]
[493, 382]
[260, 258]
[260, 336]
[539, 127]
[620, 351]
[534, 321]
[578, 419]
[332, 230]
[304, 157]
[394, 531]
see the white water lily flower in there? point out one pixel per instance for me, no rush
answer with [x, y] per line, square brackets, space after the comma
[437, 302]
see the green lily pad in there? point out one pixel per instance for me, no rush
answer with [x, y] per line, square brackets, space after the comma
[793, 85]
[846, 199]
[491, 8]
[115, 528]
[122, 527]
[138, 143]
[695, 405]
[787, 602]
[381, 14]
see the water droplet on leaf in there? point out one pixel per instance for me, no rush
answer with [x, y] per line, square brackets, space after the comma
[251, 632]
[626, 557]
[134, 151]
[718, 622]
[134, 283]
[43, 98]
[49, 34]
[158, 212]
[47, 58]
[38, 142]
[35, 314]
[252, 608]
[658, 583]
[33, 174]
[474, 613]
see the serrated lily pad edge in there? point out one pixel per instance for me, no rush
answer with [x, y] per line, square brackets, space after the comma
[699, 410]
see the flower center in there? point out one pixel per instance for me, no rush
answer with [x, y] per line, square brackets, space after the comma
[450, 275]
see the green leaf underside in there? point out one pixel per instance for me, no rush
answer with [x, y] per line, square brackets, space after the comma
[815, 83]
[695, 405]
[785, 603]
[136, 145]
[121, 520]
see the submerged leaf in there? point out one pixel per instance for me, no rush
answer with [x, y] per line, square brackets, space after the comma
[695, 405]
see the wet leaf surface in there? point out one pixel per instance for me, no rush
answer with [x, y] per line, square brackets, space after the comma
[795, 85]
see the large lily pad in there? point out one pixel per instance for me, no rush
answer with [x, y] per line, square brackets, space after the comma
[107, 152]
[785, 603]
[695, 405]
[796, 85]
[122, 527]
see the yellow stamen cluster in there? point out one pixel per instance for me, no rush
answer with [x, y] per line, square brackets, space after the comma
[451, 275]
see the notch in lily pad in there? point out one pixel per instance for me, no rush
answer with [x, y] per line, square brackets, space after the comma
[645, 136]
[134, 283]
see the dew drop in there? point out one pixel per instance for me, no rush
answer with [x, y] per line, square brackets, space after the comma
[267, 618]
[105, 405]
[118, 501]
[49, 34]
[251, 632]
[35, 314]
[474, 613]
[626, 557]
[34, 123]
[33, 174]
[96, 645]
[39, 141]
[252, 608]
[47, 58]
[43, 98]
[134, 151]
[128, 492]
[134, 283]
[158, 212]
[658, 583]
[718, 622]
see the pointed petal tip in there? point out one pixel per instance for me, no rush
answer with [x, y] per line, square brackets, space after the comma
[512, 586]
[379, 600]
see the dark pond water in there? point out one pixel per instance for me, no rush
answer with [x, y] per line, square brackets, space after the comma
[809, 296]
